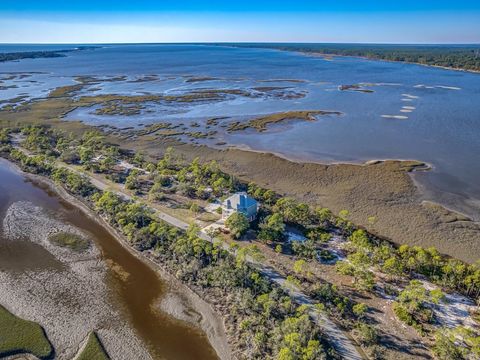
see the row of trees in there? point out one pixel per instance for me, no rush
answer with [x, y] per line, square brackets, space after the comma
[268, 323]
[366, 256]
[415, 304]
[169, 175]
[265, 320]
[411, 261]
[365, 251]
[459, 56]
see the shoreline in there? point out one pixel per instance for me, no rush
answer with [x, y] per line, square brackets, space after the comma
[318, 54]
[384, 189]
[423, 166]
[466, 206]
[211, 323]
[428, 165]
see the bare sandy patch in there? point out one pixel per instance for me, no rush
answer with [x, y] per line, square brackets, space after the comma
[448, 87]
[398, 117]
[410, 96]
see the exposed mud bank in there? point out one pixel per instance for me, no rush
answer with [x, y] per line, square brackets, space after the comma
[68, 300]
[180, 302]
[384, 190]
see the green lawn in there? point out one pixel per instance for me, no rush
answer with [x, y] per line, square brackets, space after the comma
[22, 336]
[93, 350]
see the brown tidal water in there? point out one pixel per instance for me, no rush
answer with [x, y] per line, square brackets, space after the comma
[135, 291]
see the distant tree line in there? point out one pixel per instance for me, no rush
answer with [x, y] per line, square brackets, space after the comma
[466, 57]
[12, 56]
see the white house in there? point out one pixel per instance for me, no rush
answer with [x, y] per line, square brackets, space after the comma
[240, 202]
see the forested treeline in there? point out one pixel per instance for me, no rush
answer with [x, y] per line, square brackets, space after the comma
[194, 179]
[365, 250]
[264, 320]
[466, 57]
[269, 324]
[12, 56]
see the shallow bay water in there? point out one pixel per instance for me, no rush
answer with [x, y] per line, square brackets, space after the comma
[412, 112]
[133, 287]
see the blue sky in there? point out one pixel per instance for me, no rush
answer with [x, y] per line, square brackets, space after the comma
[88, 21]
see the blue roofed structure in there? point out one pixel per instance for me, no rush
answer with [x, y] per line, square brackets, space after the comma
[242, 203]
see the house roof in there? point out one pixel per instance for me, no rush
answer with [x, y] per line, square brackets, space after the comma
[239, 201]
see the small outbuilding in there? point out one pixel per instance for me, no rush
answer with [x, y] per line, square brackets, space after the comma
[242, 203]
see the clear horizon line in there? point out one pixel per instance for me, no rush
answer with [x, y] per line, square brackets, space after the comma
[235, 42]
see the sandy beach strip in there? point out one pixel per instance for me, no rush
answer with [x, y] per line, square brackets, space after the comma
[410, 96]
[399, 117]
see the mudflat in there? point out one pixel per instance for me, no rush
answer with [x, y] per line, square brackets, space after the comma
[107, 299]
[384, 189]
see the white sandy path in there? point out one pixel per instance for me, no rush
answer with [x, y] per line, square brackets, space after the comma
[344, 345]
[454, 311]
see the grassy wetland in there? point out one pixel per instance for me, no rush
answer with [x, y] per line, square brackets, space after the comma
[405, 217]
[69, 240]
[374, 255]
[68, 275]
[261, 123]
[22, 336]
[93, 349]
[350, 275]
